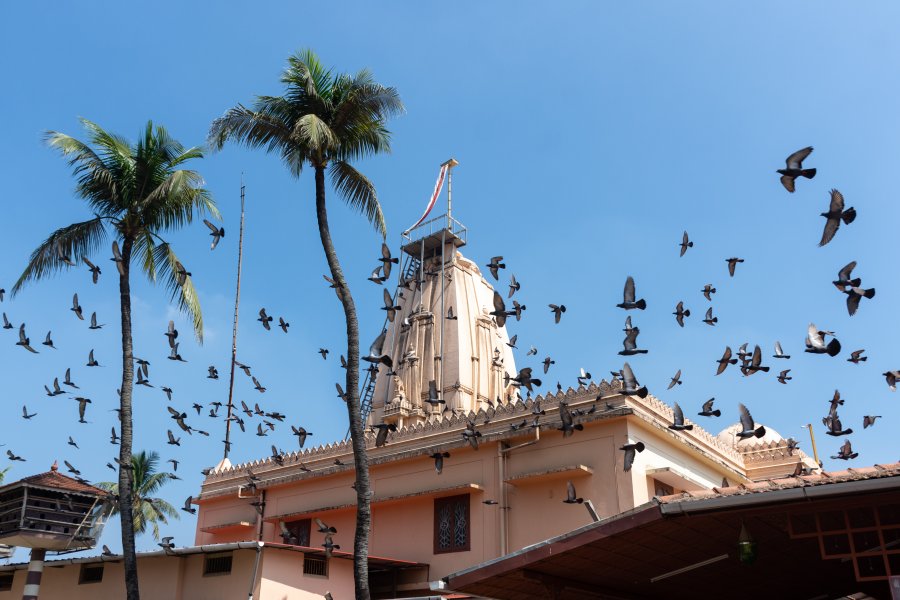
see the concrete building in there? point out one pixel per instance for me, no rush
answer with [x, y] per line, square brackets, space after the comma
[494, 494]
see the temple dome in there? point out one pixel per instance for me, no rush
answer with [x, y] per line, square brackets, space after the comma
[728, 436]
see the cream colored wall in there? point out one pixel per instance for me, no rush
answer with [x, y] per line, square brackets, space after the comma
[283, 579]
[404, 528]
[662, 449]
[159, 578]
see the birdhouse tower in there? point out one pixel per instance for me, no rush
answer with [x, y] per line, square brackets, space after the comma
[52, 511]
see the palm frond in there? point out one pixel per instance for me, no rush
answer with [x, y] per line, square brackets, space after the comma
[359, 193]
[185, 296]
[75, 240]
[312, 132]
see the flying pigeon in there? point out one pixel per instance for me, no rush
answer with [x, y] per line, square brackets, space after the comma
[815, 342]
[264, 319]
[685, 243]
[94, 269]
[389, 305]
[835, 215]
[24, 341]
[725, 361]
[707, 409]
[680, 313]
[856, 357]
[217, 234]
[628, 301]
[187, 506]
[678, 420]
[843, 281]
[846, 452]
[779, 353]
[630, 383]
[748, 428]
[557, 311]
[439, 460]
[794, 168]
[571, 495]
[854, 295]
[783, 376]
[732, 264]
[76, 308]
[630, 343]
[567, 424]
[495, 265]
[708, 290]
[630, 450]
[676, 380]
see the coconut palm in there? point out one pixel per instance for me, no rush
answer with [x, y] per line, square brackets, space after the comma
[136, 192]
[146, 482]
[326, 120]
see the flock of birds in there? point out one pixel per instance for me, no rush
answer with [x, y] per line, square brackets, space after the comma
[818, 341]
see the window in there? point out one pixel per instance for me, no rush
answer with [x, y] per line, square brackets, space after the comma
[315, 565]
[217, 564]
[299, 532]
[91, 574]
[451, 524]
[6, 581]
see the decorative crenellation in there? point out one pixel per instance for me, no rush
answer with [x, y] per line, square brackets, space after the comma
[499, 417]
[666, 413]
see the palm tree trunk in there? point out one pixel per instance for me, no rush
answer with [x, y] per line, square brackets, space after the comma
[126, 500]
[357, 431]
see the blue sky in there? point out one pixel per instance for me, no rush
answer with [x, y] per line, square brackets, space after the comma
[589, 136]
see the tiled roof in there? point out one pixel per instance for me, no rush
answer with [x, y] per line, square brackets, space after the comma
[784, 483]
[55, 479]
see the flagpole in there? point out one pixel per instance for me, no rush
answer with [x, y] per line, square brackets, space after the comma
[449, 164]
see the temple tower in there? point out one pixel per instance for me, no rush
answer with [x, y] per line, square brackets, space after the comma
[443, 333]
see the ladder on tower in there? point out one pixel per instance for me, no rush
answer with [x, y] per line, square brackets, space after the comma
[411, 266]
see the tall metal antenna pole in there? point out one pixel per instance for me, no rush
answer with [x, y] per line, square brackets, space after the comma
[234, 331]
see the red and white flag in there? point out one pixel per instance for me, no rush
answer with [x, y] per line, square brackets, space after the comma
[437, 192]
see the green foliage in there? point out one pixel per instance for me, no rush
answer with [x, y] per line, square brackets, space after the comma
[323, 119]
[138, 192]
[147, 509]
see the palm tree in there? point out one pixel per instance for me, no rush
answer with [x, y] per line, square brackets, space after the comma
[327, 120]
[146, 482]
[136, 192]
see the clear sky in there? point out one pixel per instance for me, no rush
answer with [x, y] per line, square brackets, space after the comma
[589, 135]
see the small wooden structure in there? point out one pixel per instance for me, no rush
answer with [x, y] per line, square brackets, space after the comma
[52, 511]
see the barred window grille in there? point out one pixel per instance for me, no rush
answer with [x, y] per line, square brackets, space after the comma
[90, 574]
[451, 524]
[217, 564]
[315, 565]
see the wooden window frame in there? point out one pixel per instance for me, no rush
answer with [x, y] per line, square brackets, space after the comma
[452, 501]
[300, 525]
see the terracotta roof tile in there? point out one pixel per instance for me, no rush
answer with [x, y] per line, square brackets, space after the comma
[760, 487]
[55, 479]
